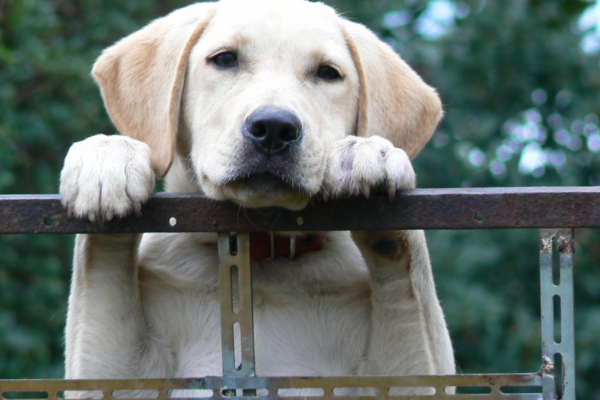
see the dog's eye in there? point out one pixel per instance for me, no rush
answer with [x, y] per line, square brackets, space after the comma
[226, 59]
[328, 73]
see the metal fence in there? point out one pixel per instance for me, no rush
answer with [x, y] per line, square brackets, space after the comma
[555, 210]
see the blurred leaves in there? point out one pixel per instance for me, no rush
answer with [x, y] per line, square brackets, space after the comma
[522, 108]
[47, 101]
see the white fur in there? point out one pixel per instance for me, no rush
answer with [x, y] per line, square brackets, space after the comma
[148, 307]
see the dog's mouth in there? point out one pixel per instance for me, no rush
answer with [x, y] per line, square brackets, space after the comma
[264, 189]
[263, 182]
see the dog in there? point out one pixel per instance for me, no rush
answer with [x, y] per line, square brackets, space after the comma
[263, 103]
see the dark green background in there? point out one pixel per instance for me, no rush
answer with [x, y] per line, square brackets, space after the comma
[511, 74]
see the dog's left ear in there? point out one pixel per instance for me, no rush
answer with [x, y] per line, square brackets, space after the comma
[395, 103]
[141, 78]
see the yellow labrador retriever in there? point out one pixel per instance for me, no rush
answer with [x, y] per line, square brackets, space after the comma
[265, 103]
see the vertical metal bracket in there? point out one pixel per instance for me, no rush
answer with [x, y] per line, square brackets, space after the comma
[241, 293]
[563, 292]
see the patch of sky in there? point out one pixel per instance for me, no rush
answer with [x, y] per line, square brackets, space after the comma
[589, 23]
[437, 20]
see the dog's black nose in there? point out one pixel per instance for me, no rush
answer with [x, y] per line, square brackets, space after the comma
[273, 130]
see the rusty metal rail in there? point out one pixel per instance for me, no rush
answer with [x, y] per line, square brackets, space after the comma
[541, 207]
[420, 209]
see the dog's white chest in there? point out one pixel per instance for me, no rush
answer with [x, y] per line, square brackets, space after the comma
[315, 335]
[297, 333]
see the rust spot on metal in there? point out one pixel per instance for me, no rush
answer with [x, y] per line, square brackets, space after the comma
[547, 366]
[566, 247]
[546, 245]
[560, 245]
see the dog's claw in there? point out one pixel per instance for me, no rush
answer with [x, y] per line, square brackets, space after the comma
[70, 212]
[109, 215]
[92, 217]
[325, 197]
[137, 209]
[366, 189]
[391, 192]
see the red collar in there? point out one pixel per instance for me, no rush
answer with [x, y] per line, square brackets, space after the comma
[267, 245]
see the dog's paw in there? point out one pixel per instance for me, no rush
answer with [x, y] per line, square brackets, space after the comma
[106, 176]
[357, 164]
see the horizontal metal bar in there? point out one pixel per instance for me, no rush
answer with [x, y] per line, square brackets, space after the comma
[221, 387]
[537, 207]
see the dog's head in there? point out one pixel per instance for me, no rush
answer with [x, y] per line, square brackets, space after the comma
[241, 99]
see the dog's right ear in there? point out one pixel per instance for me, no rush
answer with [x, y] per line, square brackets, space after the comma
[395, 102]
[141, 78]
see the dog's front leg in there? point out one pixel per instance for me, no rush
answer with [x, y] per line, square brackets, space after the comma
[105, 324]
[107, 335]
[408, 331]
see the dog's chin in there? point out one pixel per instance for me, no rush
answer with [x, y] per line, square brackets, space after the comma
[262, 190]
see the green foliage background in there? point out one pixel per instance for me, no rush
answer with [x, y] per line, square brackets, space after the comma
[513, 79]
